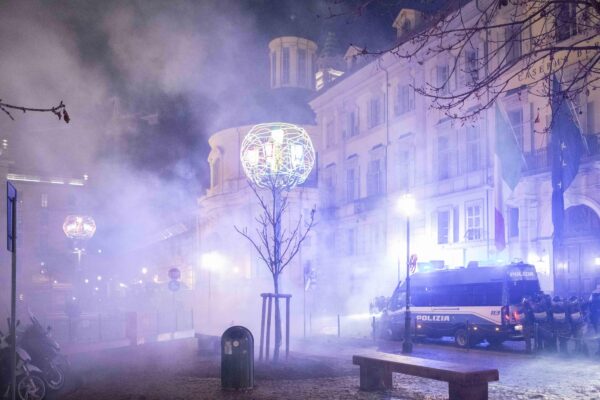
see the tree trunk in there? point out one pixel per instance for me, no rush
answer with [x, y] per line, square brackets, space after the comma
[277, 319]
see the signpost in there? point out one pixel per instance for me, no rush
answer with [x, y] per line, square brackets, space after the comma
[11, 244]
[174, 286]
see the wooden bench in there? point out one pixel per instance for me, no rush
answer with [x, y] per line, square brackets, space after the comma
[465, 382]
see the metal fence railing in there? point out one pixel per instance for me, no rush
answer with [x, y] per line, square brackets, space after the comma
[103, 327]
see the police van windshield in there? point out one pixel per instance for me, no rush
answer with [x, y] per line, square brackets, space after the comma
[517, 290]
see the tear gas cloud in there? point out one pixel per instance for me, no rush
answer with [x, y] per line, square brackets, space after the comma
[146, 84]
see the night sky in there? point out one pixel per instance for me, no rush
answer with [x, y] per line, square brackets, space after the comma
[147, 82]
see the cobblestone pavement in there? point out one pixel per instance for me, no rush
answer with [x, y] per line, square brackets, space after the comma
[319, 369]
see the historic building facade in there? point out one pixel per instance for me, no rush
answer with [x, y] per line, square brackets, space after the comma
[381, 140]
[377, 140]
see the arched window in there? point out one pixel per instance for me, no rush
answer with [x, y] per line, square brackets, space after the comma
[581, 220]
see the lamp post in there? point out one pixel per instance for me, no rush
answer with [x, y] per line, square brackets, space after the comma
[406, 205]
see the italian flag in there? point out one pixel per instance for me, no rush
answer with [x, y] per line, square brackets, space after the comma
[508, 160]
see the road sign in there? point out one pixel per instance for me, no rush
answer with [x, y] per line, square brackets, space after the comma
[174, 273]
[11, 244]
[11, 216]
[174, 286]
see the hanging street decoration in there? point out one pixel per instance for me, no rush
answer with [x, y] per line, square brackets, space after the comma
[277, 155]
[79, 227]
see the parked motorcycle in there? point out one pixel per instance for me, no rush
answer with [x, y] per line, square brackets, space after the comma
[30, 384]
[45, 353]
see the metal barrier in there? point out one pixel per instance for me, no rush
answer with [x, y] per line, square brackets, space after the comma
[100, 327]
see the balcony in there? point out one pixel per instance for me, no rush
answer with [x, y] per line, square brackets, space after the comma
[366, 204]
[540, 160]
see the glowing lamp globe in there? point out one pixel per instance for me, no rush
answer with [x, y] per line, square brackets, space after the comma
[277, 155]
[79, 227]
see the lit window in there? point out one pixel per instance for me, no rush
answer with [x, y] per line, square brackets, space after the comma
[474, 226]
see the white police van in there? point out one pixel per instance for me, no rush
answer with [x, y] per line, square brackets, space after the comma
[470, 304]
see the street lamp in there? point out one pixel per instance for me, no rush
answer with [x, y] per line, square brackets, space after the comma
[407, 206]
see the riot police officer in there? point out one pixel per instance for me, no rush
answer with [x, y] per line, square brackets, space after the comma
[595, 314]
[526, 317]
[577, 323]
[542, 325]
[560, 323]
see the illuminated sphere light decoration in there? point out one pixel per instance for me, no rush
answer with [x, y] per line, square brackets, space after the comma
[277, 155]
[79, 227]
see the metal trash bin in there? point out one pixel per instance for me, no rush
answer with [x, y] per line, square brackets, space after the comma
[237, 359]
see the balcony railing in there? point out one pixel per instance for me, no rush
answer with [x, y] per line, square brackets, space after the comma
[540, 160]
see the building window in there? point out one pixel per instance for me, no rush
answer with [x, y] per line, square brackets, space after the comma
[350, 242]
[443, 73]
[330, 177]
[566, 20]
[404, 161]
[443, 157]
[473, 225]
[352, 183]
[473, 149]
[471, 66]
[374, 178]
[301, 67]
[512, 42]
[513, 222]
[285, 65]
[443, 226]
[375, 114]
[405, 99]
[515, 117]
[329, 134]
[273, 69]
[352, 123]
[44, 200]
[455, 225]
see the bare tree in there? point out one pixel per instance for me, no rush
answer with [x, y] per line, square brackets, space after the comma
[60, 110]
[493, 46]
[276, 246]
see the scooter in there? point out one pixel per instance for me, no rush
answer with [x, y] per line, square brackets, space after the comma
[45, 353]
[30, 384]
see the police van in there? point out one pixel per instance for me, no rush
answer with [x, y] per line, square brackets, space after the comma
[470, 304]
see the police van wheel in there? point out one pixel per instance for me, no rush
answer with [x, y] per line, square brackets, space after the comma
[461, 338]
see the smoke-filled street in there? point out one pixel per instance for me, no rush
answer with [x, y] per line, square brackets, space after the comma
[321, 370]
[300, 199]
